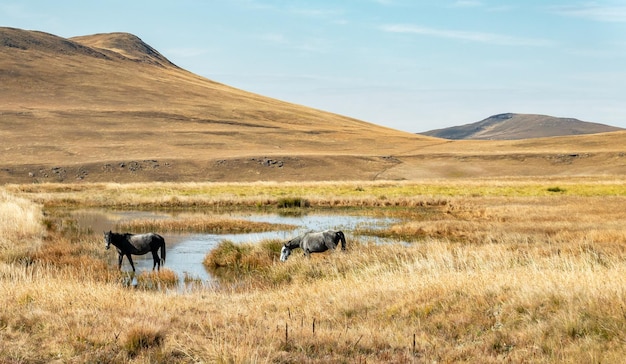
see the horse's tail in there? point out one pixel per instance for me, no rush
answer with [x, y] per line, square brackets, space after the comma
[343, 239]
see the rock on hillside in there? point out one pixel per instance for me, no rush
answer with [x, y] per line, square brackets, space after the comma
[520, 126]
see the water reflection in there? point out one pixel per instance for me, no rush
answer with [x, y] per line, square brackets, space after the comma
[185, 252]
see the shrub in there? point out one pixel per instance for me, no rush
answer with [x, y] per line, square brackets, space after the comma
[157, 279]
[226, 254]
[287, 202]
[228, 260]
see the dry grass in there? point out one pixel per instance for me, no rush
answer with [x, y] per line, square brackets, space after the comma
[22, 229]
[204, 224]
[216, 196]
[488, 278]
[522, 220]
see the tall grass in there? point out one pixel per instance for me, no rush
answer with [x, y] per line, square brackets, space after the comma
[462, 303]
[314, 194]
[201, 224]
[487, 278]
[22, 230]
[152, 196]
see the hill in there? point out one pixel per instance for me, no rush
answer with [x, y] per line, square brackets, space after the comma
[109, 107]
[125, 45]
[520, 126]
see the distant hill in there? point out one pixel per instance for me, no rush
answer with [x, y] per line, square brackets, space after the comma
[520, 126]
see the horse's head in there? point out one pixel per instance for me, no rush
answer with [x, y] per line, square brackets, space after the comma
[107, 239]
[284, 253]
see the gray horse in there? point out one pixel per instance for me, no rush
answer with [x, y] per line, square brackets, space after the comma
[313, 242]
[137, 244]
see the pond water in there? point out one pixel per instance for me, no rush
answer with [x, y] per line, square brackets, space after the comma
[185, 252]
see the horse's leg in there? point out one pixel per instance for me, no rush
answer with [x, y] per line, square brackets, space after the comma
[162, 261]
[156, 259]
[332, 244]
[131, 262]
[119, 261]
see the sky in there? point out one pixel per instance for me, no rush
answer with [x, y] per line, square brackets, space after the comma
[411, 65]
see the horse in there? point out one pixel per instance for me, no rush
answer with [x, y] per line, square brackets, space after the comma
[136, 244]
[313, 242]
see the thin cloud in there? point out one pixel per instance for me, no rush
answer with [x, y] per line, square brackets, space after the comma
[467, 4]
[601, 13]
[311, 12]
[274, 38]
[19, 14]
[313, 46]
[253, 4]
[310, 45]
[315, 12]
[479, 37]
[186, 52]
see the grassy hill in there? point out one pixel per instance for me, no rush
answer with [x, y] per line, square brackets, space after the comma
[109, 107]
[520, 126]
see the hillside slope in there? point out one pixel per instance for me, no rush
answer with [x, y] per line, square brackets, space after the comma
[109, 107]
[520, 126]
[110, 99]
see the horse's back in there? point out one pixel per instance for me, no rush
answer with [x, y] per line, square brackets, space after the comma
[314, 242]
[156, 236]
[146, 242]
[145, 237]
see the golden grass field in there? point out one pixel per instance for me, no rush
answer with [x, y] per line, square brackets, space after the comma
[497, 270]
[516, 249]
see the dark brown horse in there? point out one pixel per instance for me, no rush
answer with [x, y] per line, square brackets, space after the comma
[314, 242]
[136, 244]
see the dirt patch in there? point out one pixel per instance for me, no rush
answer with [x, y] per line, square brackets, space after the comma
[319, 168]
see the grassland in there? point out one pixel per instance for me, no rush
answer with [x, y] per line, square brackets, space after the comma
[496, 270]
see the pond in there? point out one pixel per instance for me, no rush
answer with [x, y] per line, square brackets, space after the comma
[185, 252]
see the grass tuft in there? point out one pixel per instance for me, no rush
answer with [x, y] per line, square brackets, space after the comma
[139, 338]
[157, 280]
[229, 259]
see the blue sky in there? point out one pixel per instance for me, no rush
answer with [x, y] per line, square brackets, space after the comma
[407, 64]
